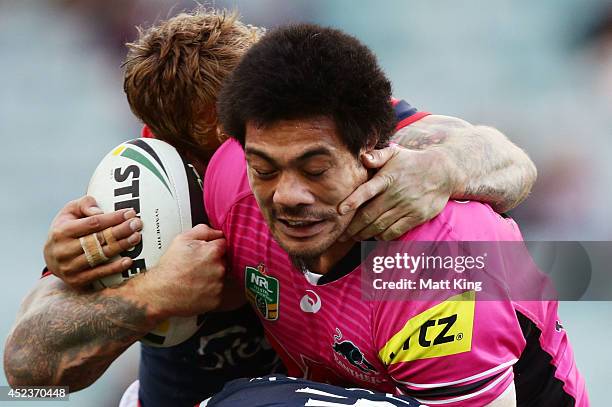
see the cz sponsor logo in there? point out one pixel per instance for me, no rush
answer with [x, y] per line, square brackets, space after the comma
[443, 330]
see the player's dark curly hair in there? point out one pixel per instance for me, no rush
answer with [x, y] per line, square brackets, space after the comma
[303, 71]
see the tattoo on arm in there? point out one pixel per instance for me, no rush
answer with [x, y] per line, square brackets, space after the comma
[487, 166]
[415, 137]
[504, 176]
[71, 338]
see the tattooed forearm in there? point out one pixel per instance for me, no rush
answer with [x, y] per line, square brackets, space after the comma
[486, 166]
[416, 138]
[70, 338]
[425, 133]
[498, 172]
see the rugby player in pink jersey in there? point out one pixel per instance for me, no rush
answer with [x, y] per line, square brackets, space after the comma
[177, 103]
[303, 105]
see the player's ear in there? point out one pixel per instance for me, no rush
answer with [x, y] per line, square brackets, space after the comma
[367, 155]
[372, 141]
[373, 156]
[367, 151]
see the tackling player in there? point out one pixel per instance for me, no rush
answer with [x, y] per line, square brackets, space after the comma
[67, 334]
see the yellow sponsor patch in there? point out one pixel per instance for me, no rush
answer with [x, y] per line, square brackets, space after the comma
[445, 329]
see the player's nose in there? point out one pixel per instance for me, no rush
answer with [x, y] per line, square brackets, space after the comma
[290, 192]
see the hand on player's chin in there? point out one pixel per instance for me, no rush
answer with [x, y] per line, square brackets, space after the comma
[189, 277]
[410, 188]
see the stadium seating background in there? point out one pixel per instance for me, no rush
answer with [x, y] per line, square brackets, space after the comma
[528, 68]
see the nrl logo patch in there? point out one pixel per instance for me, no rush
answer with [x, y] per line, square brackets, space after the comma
[262, 291]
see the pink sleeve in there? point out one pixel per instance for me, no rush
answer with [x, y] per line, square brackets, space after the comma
[225, 182]
[451, 351]
[468, 221]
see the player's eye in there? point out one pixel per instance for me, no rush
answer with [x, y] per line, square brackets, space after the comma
[264, 173]
[315, 172]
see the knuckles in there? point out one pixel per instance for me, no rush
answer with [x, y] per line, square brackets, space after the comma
[217, 247]
[48, 252]
[388, 180]
[56, 234]
[209, 251]
[71, 206]
[76, 281]
[59, 253]
[64, 270]
[350, 206]
[396, 231]
[379, 226]
[93, 222]
[87, 201]
[366, 217]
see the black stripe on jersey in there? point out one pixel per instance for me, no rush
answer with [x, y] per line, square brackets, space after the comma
[449, 391]
[534, 373]
[348, 263]
[143, 144]
[196, 195]
[403, 110]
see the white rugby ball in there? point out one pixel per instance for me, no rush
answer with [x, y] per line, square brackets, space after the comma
[151, 177]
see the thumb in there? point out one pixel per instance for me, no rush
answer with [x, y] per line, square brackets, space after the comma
[203, 232]
[88, 206]
[378, 158]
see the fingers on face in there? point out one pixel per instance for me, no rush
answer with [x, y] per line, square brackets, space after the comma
[403, 221]
[376, 214]
[378, 158]
[377, 185]
[379, 225]
[408, 220]
[362, 194]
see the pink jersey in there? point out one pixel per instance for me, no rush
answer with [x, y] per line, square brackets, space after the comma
[470, 351]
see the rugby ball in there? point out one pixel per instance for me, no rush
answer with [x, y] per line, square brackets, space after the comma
[151, 177]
